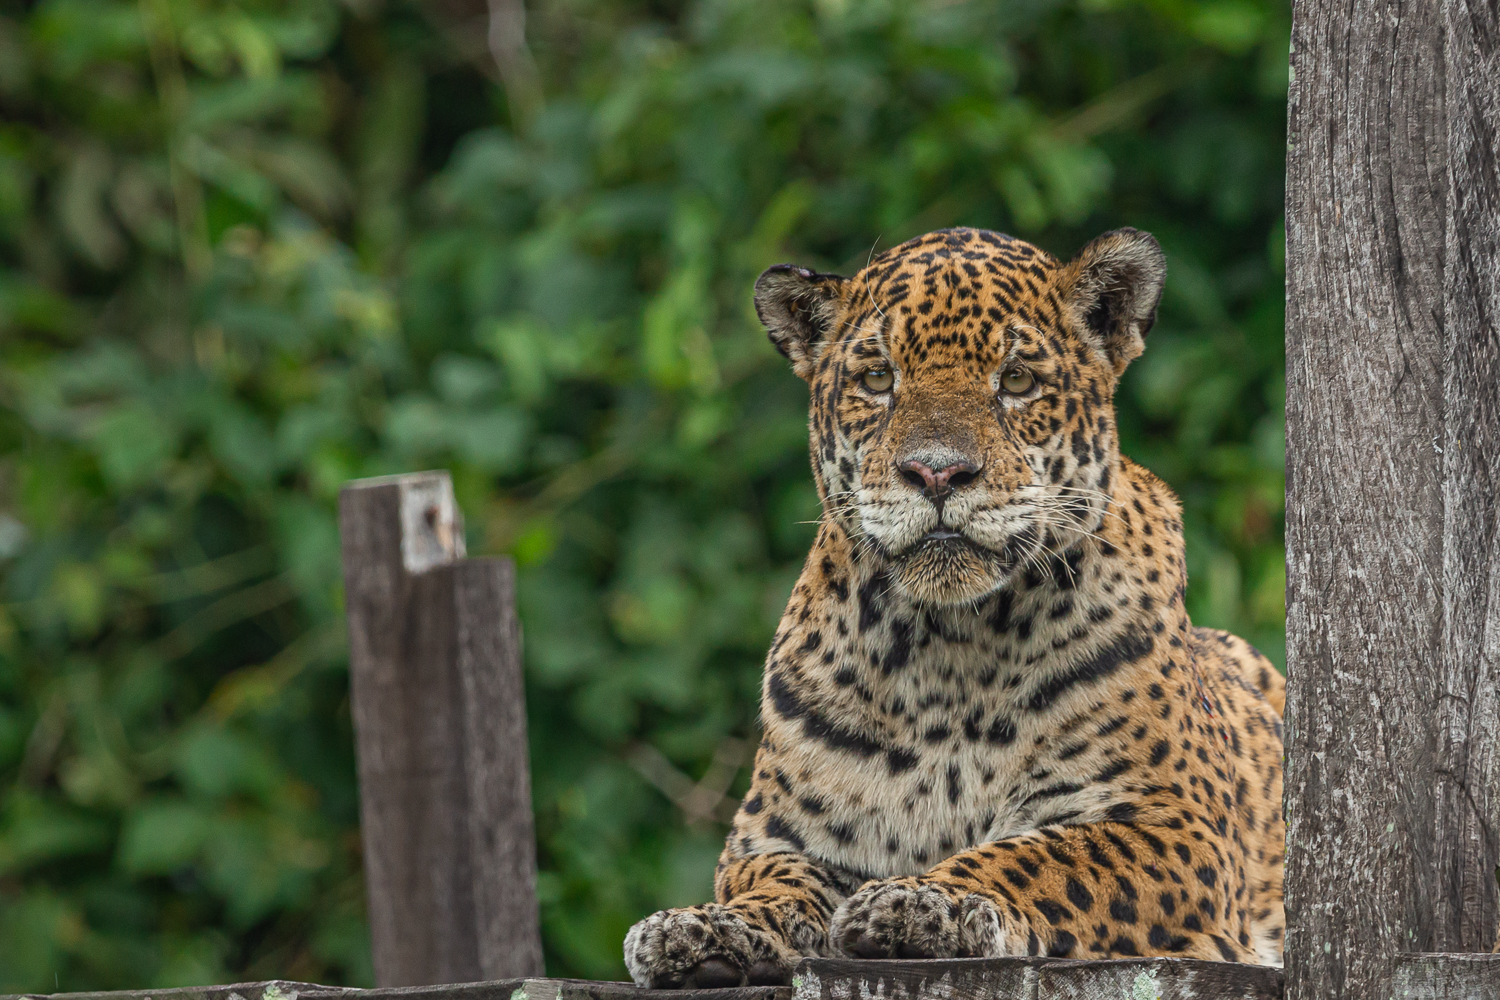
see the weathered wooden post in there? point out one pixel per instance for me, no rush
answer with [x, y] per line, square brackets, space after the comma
[1393, 448]
[439, 714]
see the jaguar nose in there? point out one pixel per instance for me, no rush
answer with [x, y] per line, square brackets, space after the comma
[937, 484]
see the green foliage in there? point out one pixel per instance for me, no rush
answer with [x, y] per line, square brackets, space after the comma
[251, 249]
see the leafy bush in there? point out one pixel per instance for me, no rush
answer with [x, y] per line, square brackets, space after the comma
[251, 249]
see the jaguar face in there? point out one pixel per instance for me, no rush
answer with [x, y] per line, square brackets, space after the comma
[962, 423]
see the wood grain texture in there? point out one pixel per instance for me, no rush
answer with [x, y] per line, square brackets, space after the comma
[405, 696]
[1393, 380]
[1448, 977]
[1035, 979]
[275, 989]
[1366, 180]
[436, 699]
[501, 830]
[549, 989]
[503, 989]
[1468, 767]
[1417, 977]
[1158, 979]
[846, 979]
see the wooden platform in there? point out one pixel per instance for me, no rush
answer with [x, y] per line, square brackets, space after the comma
[831, 979]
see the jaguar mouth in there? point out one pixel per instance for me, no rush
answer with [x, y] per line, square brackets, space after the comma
[945, 566]
[946, 544]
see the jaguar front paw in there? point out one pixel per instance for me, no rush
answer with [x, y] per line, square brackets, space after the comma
[906, 918]
[705, 947]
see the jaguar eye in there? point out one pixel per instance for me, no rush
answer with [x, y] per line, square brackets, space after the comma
[1016, 381]
[878, 379]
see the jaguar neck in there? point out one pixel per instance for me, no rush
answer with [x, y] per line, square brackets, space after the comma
[1123, 578]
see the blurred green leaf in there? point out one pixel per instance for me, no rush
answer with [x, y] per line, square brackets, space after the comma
[161, 837]
[39, 830]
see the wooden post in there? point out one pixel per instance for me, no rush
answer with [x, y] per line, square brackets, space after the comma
[1393, 464]
[439, 717]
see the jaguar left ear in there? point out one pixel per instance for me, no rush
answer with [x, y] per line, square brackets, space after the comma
[798, 308]
[1112, 288]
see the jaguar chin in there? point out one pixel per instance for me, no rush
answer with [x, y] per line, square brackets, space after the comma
[945, 568]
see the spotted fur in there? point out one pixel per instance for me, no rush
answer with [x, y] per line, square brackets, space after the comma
[990, 728]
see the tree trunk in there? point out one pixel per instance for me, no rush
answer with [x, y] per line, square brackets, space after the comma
[1393, 454]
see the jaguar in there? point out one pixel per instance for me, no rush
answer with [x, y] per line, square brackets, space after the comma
[989, 726]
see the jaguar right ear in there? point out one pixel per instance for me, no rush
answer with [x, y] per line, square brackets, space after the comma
[798, 308]
[1112, 287]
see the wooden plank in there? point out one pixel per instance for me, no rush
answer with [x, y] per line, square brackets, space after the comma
[428, 671]
[1035, 979]
[1448, 977]
[1158, 979]
[505, 989]
[835, 979]
[549, 989]
[1467, 841]
[276, 989]
[405, 695]
[501, 828]
[933, 979]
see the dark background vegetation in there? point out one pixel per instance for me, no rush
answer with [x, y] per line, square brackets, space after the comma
[251, 249]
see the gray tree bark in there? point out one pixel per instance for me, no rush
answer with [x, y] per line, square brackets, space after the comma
[1393, 573]
[1468, 772]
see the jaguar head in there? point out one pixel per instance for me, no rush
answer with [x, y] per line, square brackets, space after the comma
[962, 422]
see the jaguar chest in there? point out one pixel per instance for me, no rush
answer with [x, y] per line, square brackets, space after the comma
[886, 774]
